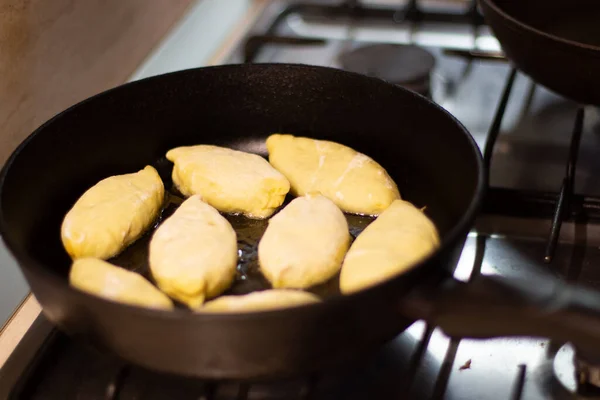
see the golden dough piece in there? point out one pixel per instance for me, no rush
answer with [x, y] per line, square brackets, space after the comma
[353, 181]
[103, 279]
[229, 180]
[397, 240]
[112, 214]
[193, 254]
[304, 244]
[258, 301]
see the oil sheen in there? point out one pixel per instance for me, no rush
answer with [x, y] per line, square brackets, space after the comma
[249, 231]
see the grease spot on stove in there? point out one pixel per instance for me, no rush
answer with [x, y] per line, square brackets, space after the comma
[466, 365]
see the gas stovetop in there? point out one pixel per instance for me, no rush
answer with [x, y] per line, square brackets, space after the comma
[541, 213]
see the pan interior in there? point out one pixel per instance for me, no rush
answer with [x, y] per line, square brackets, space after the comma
[575, 21]
[429, 155]
[249, 231]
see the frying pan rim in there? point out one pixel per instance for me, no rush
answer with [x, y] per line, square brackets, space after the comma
[571, 43]
[464, 223]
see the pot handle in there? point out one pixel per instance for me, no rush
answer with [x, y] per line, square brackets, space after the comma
[491, 306]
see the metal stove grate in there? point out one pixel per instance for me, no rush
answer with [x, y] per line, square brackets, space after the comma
[566, 203]
[355, 10]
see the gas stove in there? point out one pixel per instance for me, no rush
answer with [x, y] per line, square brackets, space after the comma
[541, 213]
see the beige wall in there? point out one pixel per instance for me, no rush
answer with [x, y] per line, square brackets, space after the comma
[54, 53]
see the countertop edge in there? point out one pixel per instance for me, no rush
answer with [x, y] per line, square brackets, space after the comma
[16, 327]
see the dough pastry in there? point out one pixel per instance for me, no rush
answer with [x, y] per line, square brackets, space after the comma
[103, 279]
[397, 240]
[229, 180]
[352, 180]
[304, 244]
[257, 301]
[113, 214]
[193, 253]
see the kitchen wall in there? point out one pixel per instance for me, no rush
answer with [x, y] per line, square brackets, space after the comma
[54, 53]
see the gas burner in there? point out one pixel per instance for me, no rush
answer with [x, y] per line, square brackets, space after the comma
[408, 66]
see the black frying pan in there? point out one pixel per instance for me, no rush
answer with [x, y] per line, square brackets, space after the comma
[431, 156]
[555, 42]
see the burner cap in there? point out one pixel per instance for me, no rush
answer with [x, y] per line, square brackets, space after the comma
[398, 64]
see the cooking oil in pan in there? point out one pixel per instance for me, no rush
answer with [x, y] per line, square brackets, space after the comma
[249, 231]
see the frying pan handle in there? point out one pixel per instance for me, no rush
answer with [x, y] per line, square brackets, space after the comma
[490, 306]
